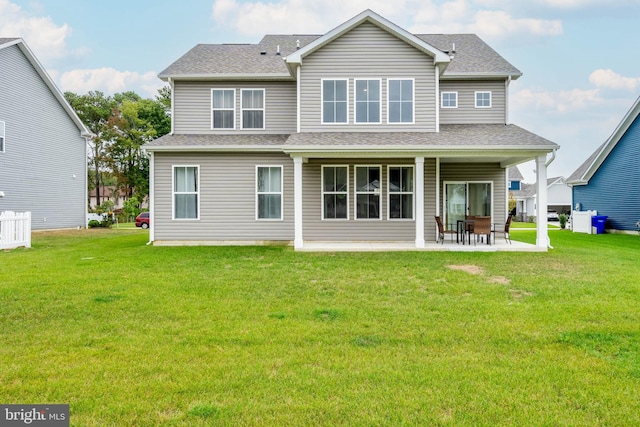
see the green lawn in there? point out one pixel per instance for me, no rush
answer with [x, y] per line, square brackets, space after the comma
[136, 335]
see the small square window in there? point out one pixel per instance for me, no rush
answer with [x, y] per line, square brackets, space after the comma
[449, 100]
[483, 99]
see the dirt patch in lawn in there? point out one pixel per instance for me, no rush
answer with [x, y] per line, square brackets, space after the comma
[471, 269]
[500, 280]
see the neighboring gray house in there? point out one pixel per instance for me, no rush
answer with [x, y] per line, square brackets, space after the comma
[558, 198]
[362, 134]
[607, 181]
[43, 150]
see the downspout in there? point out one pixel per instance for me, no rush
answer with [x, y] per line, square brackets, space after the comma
[171, 86]
[507, 83]
[152, 220]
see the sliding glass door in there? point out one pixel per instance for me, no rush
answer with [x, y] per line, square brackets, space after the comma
[466, 198]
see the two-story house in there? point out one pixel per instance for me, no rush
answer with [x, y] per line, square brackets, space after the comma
[362, 134]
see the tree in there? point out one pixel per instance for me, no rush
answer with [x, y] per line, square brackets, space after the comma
[94, 109]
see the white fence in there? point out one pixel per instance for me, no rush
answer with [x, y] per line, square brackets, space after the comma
[15, 229]
[581, 221]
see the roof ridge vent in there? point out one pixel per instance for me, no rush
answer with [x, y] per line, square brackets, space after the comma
[278, 50]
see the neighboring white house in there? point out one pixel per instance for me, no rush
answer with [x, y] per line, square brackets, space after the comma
[558, 195]
[43, 147]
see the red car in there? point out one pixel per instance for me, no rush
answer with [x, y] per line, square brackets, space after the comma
[142, 220]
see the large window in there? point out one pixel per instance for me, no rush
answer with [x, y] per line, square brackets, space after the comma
[401, 192]
[252, 108]
[449, 99]
[400, 100]
[367, 101]
[335, 192]
[223, 103]
[334, 101]
[483, 99]
[269, 192]
[1, 137]
[186, 192]
[368, 188]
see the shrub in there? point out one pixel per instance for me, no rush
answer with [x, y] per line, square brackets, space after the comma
[563, 220]
[93, 223]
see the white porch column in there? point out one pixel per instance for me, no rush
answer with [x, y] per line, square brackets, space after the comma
[297, 202]
[419, 188]
[542, 233]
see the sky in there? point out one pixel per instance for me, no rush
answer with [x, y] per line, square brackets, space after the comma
[579, 58]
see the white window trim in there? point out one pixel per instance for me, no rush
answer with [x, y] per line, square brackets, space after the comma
[281, 193]
[263, 109]
[223, 109]
[355, 102]
[173, 193]
[389, 193]
[322, 102]
[322, 193]
[475, 98]
[356, 193]
[3, 137]
[444, 194]
[442, 100]
[413, 100]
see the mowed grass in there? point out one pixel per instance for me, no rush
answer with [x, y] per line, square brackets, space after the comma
[137, 335]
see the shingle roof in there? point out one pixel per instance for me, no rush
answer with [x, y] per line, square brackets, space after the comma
[526, 191]
[460, 136]
[481, 135]
[514, 174]
[472, 56]
[7, 40]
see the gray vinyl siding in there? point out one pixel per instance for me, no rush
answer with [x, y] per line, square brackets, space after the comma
[467, 113]
[192, 109]
[317, 229]
[478, 172]
[43, 149]
[367, 52]
[227, 198]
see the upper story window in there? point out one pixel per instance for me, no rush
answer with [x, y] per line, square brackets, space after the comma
[223, 103]
[1, 137]
[449, 99]
[367, 98]
[400, 98]
[252, 101]
[483, 99]
[334, 101]
[269, 192]
[368, 188]
[186, 193]
[335, 192]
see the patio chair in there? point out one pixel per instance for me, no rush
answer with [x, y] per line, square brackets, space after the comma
[504, 231]
[482, 228]
[442, 231]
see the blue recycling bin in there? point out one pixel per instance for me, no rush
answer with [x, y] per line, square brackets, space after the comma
[598, 221]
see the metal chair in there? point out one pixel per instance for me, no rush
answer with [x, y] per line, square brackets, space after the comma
[442, 231]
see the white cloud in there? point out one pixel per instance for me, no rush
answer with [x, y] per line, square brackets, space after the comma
[256, 18]
[44, 37]
[565, 101]
[110, 81]
[611, 80]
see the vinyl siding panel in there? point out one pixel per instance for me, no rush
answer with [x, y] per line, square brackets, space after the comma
[192, 108]
[478, 172]
[43, 149]
[613, 189]
[466, 113]
[367, 52]
[317, 229]
[227, 198]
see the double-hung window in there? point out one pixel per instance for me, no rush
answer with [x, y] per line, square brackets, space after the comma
[252, 101]
[334, 101]
[401, 192]
[400, 100]
[483, 99]
[368, 188]
[186, 193]
[367, 101]
[269, 192]
[223, 103]
[335, 192]
[2, 137]
[449, 100]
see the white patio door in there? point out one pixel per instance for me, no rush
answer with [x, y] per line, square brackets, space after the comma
[466, 198]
